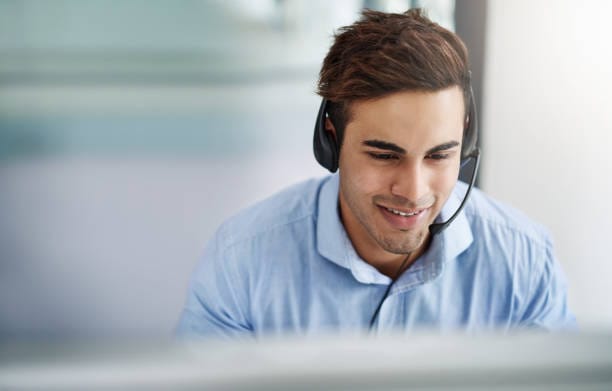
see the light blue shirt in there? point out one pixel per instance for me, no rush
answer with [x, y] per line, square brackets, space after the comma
[287, 266]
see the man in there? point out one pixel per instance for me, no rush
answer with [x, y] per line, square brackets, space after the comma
[392, 241]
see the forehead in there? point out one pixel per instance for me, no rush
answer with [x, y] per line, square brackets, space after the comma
[406, 116]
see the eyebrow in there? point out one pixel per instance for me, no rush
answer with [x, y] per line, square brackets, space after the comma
[396, 148]
[443, 147]
[385, 145]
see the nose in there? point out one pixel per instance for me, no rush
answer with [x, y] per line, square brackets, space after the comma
[411, 182]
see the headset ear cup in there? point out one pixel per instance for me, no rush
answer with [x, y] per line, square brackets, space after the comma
[325, 146]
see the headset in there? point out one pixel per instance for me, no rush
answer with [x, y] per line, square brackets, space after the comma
[327, 150]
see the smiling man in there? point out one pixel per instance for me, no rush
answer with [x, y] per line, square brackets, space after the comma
[392, 241]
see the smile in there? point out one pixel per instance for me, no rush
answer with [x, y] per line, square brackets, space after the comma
[406, 219]
[404, 214]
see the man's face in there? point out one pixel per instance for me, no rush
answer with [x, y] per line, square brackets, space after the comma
[399, 162]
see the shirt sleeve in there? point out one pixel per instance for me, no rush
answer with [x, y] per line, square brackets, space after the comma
[547, 308]
[215, 306]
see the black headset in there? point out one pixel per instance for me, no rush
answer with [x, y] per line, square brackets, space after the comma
[327, 150]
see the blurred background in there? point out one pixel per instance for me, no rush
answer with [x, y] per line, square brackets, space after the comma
[129, 130]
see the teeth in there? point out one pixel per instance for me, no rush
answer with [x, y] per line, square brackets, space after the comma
[397, 212]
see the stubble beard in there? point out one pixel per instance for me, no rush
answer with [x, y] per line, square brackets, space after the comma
[405, 243]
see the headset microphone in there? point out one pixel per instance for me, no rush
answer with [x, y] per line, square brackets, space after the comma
[439, 227]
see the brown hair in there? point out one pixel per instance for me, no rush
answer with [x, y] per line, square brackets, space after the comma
[383, 53]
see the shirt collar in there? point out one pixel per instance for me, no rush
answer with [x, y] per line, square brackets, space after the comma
[334, 244]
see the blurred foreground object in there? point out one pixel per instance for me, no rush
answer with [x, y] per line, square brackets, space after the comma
[457, 362]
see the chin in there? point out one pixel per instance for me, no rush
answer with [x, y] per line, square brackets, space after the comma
[398, 246]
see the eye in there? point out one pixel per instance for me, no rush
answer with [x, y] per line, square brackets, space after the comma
[438, 156]
[382, 156]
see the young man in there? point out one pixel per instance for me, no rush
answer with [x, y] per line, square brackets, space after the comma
[387, 243]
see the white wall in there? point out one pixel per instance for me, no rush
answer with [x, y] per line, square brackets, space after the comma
[104, 245]
[547, 127]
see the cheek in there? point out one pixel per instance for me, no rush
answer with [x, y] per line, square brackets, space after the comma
[364, 183]
[445, 181]
[367, 180]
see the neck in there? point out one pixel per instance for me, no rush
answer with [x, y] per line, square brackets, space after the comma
[393, 265]
[395, 269]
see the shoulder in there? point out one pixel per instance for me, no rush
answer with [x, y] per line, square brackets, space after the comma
[289, 206]
[491, 217]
